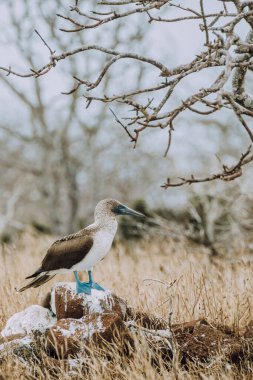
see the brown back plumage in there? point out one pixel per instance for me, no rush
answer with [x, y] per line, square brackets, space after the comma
[66, 252]
[63, 254]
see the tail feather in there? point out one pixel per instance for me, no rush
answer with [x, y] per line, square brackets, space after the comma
[38, 281]
[35, 274]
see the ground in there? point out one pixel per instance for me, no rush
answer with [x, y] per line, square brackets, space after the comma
[169, 279]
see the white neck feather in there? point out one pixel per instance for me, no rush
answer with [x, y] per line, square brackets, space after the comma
[107, 222]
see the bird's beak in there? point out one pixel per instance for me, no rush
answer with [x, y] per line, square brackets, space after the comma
[124, 210]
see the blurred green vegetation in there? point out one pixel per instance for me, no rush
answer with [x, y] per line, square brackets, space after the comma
[6, 238]
[40, 227]
[215, 222]
[134, 228]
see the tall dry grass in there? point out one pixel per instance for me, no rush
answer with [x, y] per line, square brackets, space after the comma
[168, 279]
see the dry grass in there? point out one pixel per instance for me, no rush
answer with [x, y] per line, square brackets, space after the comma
[163, 278]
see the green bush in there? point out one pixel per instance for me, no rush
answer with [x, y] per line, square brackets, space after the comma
[42, 228]
[5, 238]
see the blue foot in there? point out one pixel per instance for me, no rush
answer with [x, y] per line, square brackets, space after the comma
[96, 286]
[86, 287]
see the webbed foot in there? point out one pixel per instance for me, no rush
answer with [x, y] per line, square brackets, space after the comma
[86, 287]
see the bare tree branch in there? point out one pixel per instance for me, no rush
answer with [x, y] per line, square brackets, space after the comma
[152, 107]
[228, 173]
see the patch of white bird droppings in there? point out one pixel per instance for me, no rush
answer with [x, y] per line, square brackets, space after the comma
[98, 327]
[63, 331]
[87, 329]
[26, 341]
[94, 300]
[67, 286]
[33, 318]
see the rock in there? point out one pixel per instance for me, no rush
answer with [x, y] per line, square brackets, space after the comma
[71, 336]
[66, 337]
[66, 303]
[197, 340]
[200, 341]
[160, 341]
[146, 320]
[21, 348]
[115, 331]
[29, 320]
[101, 324]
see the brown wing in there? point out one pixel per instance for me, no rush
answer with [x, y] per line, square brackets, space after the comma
[66, 252]
[35, 283]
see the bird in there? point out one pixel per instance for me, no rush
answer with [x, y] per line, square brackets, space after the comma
[82, 250]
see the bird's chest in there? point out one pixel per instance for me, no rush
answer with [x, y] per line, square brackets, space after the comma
[102, 242]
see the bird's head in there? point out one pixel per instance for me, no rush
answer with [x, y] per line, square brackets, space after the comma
[112, 208]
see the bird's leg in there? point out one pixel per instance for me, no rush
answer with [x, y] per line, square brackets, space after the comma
[82, 287]
[93, 285]
[86, 287]
[90, 276]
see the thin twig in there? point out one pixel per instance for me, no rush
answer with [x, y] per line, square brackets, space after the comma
[45, 43]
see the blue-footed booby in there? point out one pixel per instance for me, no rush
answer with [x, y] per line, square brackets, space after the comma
[82, 250]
